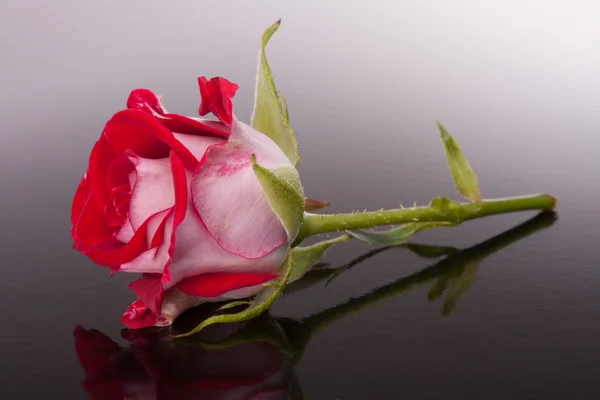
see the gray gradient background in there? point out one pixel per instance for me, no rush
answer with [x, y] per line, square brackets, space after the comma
[517, 82]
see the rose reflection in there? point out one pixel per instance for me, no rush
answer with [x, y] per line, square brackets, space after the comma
[254, 360]
[154, 366]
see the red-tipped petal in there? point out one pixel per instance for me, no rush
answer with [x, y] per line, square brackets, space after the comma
[113, 253]
[216, 284]
[148, 102]
[180, 208]
[150, 291]
[216, 98]
[143, 134]
[138, 316]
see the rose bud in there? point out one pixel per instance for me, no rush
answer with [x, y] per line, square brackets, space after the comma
[182, 201]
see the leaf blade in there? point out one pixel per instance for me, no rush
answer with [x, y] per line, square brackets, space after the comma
[270, 115]
[304, 258]
[395, 236]
[462, 173]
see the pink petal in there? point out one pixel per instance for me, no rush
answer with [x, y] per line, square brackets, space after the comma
[161, 229]
[153, 191]
[197, 145]
[216, 284]
[229, 198]
[196, 252]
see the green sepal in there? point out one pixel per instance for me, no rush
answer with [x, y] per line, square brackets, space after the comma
[270, 115]
[285, 195]
[462, 173]
[258, 305]
[304, 258]
[395, 236]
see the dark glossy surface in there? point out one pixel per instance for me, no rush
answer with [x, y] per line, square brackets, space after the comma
[518, 83]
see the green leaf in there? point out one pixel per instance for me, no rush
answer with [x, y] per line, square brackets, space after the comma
[305, 257]
[270, 114]
[394, 236]
[462, 173]
[285, 195]
[261, 302]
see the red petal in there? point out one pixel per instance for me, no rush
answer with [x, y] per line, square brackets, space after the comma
[216, 284]
[146, 101]
[114, 253]
[216, 98]
[180, 207]
[149, 290]
[118, 202]
[159, 235]
[118, 171]
[144, 135]
[138, 316]
[91, 228]
[100, 158]
[81, 195]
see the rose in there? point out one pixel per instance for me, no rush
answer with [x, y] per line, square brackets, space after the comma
[177, 199]
[155, 367]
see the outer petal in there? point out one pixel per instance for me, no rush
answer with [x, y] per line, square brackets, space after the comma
[91, 229]
[81, 195]
[146, 101]
[196, 252]
[230, 200]
[101, 157]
